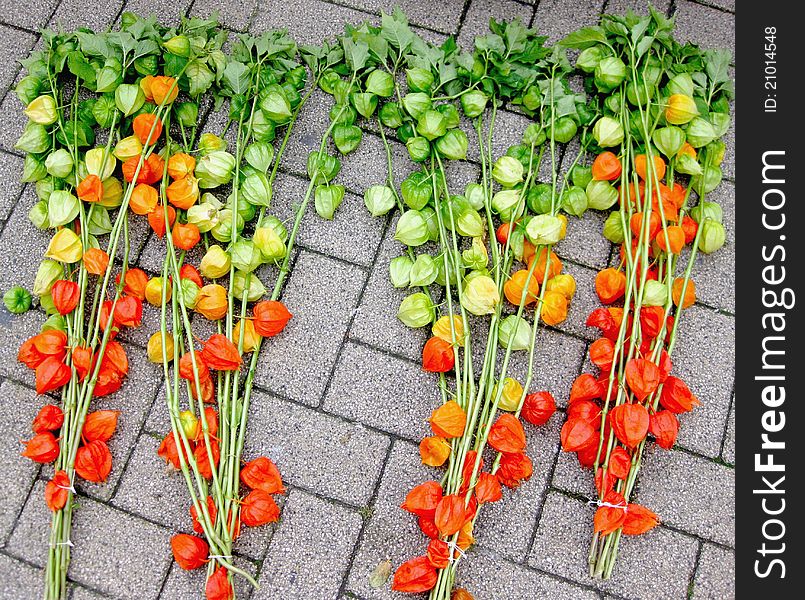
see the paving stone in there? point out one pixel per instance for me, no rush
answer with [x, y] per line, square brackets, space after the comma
[446, 19]
[73, 13]
[310, 21]
[300, 561]
[584, 242]
[689, 493]
[322, 294]
[619, 7]
[562, 542]
[19, 581]
[82, 593]
[705, 360]
[131, 570]
[557, 18]
[234, 15]
[367, 166]
[728, 166]
[391, 533]
[310, 126]
[557, 358]
[14, 329]
[150, 325]
[398, 397]
[159, 493]
[11, 172]
[181, 584]
[18, 411]
[569, 475]
[316, 451]
[728, 5]
[728, 453]
[376, 322]
[146, 8]
[714, 274]
[12, 119]
[476, 20]
[26, 14]
[151, 489]
[506, 527]
[22, 246]
[353, 235]
[707, 27]
[715, 577]
[486, 575]
[583, 303]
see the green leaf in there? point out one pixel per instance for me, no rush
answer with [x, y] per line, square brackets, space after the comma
[717, 63]
[236, 76]
[584, 38]
[355, 53]
[94, 45]
[79, 67]
[394, 29]
[199, 77]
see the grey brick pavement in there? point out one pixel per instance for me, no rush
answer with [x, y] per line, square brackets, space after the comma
[341, 397]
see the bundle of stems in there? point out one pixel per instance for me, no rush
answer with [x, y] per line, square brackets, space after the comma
[263, 80]
[664, 86]
[77, 189]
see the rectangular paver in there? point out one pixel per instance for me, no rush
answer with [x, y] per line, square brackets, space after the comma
[321, 295]
[309, 555]
[131, 570]
[322, 453]
[715, 576]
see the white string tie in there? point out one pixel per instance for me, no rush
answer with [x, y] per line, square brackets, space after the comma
[222, 556]
[453, 546]
[67, 543]
[623, 507]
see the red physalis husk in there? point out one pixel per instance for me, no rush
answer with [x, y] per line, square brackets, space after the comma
[538, 408]
[415, 576]
[450, 514]
[258, 508]
[169, 450]
[82, 361]
[220, 354]
[211, 509]
[602, 352]
[65, 295]
[114, 359]
[49, 418]
[438, 554]
[677, 397]
[488, 488]
[56, 491]
[93, 461]
[620, 462]
[586, 410]
[211, 416]
[664, 426]
[610, 518]
[190, 272]
[585, 387]
[262, 474]
[189, 551]
[577, 434]
[202, 457]
[514, 469]
[639, 519]
[218, 586]
[423, 499]
[186, 367]
[449, 420]
[507, 434]
[642, 377]
[128, 312]
[630, 423]
[270, 317]
[42, 448]
[99, 425]
[467, 468]
[51, 374]
[604, 481]
[438, 356]
[428, 527]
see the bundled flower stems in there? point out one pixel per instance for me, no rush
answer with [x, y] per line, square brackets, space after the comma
[665, 109]
[113, 130]
[80, 185]
[424, 115]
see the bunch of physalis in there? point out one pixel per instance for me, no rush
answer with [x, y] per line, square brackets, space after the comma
[665, 106]
[79, 187]
[425, 117]
[262, 81]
